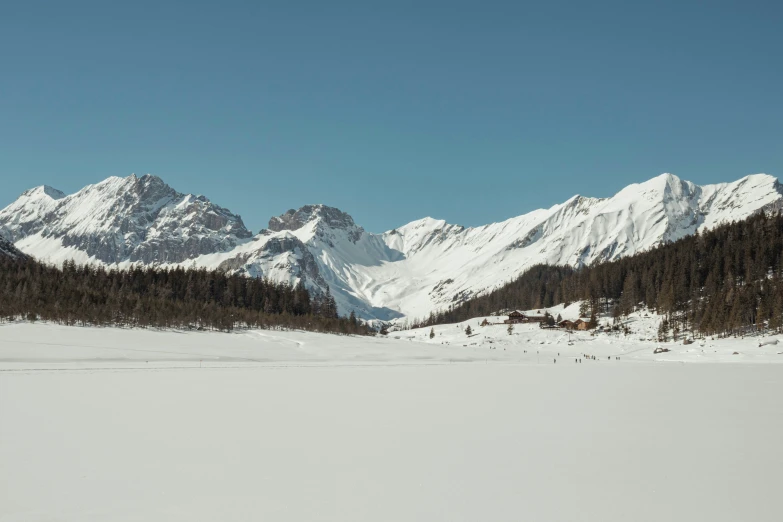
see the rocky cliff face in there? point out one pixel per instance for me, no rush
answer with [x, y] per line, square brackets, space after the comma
[295, 219]
[282, 258]
[136, 219]
[322, 217]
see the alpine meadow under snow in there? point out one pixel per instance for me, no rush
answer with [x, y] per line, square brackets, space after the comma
[406, 272]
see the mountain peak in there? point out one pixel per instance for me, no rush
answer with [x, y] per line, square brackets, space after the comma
[664, 180]
[144, 181]
[758, 179]
[664, 186]
[124, 219]
[668, 176]
[148, 178]
[44, 190]
[296, 219]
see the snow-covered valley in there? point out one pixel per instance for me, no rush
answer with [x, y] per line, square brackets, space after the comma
[26, 346]
[409, 271]
[129, 425]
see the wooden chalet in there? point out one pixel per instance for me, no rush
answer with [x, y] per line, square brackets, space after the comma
[581, 324]
[515, 317]
[518, 317]
[567, 324]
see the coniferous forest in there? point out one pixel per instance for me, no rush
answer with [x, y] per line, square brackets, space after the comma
[727, 281]
[163, 298]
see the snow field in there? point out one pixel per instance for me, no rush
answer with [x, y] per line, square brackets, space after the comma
[457, 443]
[131, 425]
[25, 346]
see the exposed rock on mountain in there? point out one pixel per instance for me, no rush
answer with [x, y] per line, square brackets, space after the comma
[7, 249]
[121, 219]
[295, 219]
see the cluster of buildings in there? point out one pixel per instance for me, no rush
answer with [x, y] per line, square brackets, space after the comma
[516, 317]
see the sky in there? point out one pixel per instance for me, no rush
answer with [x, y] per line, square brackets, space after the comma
[472, 112]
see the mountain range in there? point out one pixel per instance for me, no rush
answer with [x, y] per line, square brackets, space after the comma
[410, 271]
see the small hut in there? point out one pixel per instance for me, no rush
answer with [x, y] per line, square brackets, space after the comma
[516, 317]
[568, 325]
[581, 324]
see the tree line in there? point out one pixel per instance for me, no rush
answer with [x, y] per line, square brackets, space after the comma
[164, 298]
[726, 281]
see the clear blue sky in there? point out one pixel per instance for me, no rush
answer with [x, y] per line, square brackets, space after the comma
[468, 111]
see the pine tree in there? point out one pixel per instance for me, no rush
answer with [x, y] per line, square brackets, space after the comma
[616, 313]
[663, 329]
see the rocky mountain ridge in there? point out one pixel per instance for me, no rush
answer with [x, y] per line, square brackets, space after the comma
[137, 219]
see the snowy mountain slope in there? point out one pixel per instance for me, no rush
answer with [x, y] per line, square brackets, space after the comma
[323, 247]
[430, 264]
[410, 271]
[449, 263]
[120, 219]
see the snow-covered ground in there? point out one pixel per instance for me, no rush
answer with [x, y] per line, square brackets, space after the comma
[111, 424]
[530, 343]
[41, 346]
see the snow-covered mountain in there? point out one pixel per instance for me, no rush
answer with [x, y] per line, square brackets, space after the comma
[120, 219]
[425, 265]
